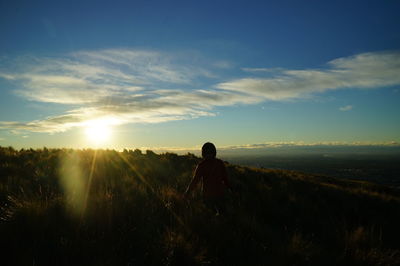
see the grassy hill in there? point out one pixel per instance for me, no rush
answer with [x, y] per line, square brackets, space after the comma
[103, 207]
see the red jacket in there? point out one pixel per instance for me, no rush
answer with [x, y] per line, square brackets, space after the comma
[214, 177]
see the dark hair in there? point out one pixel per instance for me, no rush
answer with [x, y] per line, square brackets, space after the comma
[208, 149]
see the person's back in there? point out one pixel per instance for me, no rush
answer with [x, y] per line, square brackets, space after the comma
[212, 172]
[214, 177]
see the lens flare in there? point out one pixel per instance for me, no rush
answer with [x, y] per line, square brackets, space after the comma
[73, 183]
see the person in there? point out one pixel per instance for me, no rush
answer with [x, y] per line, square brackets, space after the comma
[212, 172]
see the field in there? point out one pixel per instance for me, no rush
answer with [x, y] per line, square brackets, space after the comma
[103, 207]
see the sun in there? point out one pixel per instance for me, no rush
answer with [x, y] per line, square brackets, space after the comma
[98, 131]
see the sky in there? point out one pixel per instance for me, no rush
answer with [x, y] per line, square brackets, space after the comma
[175, 74]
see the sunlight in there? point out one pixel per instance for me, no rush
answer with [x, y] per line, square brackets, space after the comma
[98, 131]
[72, 180]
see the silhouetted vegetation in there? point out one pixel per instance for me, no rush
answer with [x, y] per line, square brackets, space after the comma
[103, 207]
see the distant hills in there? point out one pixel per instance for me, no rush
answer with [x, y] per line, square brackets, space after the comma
[338, 150]
[381, 169]
[103, 207]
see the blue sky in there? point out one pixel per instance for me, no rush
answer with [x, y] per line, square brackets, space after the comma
[179, 73]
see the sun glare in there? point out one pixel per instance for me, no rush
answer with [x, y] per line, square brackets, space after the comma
[98, 131]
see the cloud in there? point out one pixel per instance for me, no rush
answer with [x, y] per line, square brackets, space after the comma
[261, 70]
[288, 144]
[346, 108]
[363, 71]
[127, 86]
[132, 86]
[145, 66]
[50, 124]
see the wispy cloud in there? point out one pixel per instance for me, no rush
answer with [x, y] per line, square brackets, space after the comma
[346, 108]
[131, 86]
[120, 85]
[280, 144]
[262, 70]
[363, 71]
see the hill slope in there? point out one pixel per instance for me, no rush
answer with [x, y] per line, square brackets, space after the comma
[64, 207]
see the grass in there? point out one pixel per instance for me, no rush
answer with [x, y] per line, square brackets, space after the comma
[103, 207]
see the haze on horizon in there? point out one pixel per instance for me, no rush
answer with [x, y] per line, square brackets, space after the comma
[173, 75]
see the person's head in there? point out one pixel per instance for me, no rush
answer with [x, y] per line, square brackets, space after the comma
[208, 150]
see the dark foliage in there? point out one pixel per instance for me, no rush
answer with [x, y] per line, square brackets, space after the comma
[103, 207]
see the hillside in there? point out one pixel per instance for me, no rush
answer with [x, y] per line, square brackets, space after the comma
[103, 207]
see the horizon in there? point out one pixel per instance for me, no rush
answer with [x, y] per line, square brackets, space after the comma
[326, 150]
[248, 76]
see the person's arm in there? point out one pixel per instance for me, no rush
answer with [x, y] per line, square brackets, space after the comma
[194, 182]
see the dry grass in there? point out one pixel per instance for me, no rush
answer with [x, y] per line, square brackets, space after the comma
[127, 209]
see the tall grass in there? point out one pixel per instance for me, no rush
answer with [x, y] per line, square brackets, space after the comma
[103, 207]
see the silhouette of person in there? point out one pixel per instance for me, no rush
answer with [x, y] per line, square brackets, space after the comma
[212, 172]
